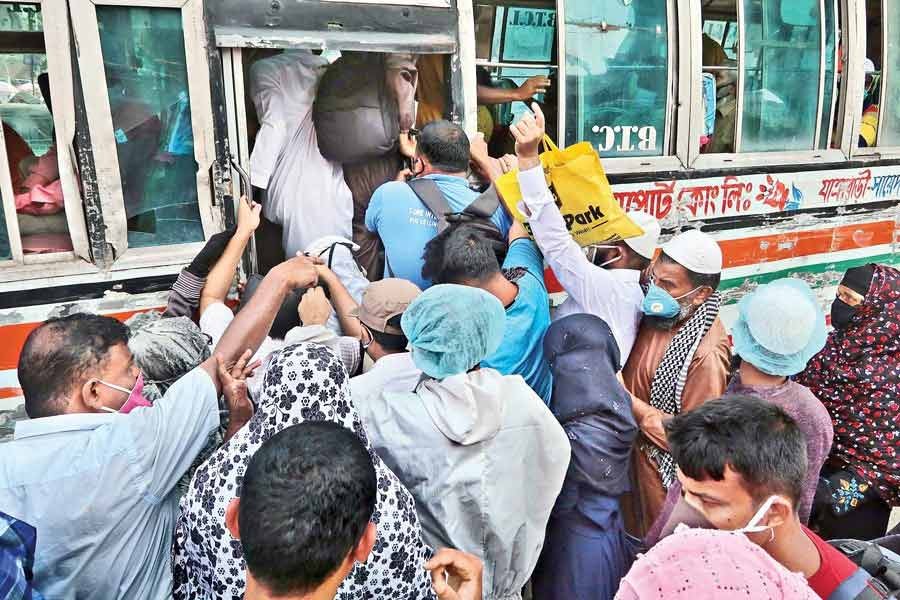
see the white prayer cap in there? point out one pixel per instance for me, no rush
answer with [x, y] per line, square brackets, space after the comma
[869, 66]
[695, 251]
[645, 245]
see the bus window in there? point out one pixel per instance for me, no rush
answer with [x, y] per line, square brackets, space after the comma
[28, 134]
[720, 55]
[890, 132]
[515, 49]
[146, 75]
[781, 75]
[881, 102]
[617, 76]
[774, 92]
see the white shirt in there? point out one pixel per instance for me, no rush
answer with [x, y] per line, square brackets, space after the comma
[307, 194]
[99, 490]
[390, 373]
[614, 295]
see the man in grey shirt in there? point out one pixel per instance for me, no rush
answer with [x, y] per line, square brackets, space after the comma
[94, 469]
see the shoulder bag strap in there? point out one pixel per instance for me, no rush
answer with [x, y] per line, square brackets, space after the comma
[485, 205]
[432, 197]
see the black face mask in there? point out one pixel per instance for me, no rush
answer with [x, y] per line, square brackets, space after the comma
[841, 313]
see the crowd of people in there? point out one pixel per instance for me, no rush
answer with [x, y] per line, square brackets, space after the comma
[439, 433]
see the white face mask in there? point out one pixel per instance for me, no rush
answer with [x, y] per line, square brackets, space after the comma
[591, 253]
[753, 525]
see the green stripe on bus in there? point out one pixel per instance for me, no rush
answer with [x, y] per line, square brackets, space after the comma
[838, 267]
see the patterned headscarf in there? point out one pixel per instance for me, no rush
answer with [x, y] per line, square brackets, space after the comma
[304, 382]
[856, 376]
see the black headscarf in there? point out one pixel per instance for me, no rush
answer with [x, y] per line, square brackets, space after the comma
[590, 403]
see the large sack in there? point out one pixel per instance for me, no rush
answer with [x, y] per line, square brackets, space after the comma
[360, 104]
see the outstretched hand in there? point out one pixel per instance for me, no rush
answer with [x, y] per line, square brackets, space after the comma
[529, 132]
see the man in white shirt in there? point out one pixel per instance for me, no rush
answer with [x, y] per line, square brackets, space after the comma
[608, 284]
[98, 487]
[376, 322]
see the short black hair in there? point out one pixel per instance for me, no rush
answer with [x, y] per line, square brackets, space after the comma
[457, 254]
[756, 439]
[56, 355]
[711, 280]
[306, 499]
[445, 145]
[391, 341]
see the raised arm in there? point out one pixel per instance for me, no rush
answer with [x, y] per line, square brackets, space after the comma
[222, 274]
[580, 278]
[252, 323]
[342, 302]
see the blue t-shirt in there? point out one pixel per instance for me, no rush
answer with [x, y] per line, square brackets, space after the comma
[405, 224]
[522, 350]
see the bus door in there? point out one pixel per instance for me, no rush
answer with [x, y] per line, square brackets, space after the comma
[423, 33]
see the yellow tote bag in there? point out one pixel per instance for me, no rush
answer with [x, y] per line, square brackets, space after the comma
[582, 192]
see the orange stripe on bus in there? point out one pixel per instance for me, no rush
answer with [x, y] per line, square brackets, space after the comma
[10, 392]
[14, 337]
[754, 250]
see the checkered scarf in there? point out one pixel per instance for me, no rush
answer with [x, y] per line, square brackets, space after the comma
[668, 382]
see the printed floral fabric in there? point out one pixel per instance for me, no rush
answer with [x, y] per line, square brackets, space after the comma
[304, 382]
[856, 376]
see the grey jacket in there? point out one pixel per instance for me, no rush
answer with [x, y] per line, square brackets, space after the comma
[485, 460]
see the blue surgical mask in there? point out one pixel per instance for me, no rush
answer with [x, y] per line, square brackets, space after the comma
[660, 303]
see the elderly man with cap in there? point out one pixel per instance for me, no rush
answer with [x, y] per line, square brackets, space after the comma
[607, 281]
[680, 360]
[483, 456]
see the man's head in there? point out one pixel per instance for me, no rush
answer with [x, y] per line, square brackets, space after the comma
[688, 271]
[461, 255]
[442, 147]
[303, 517]
[67, 363]
[634, 253]
[379, 313]
[733, 455]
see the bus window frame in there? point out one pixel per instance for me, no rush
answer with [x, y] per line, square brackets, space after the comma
[700, 161]
[858, 55]
[678, 93]
[55, 20]
[99, 114]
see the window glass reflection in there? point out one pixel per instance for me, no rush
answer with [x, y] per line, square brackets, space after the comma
[146, 75]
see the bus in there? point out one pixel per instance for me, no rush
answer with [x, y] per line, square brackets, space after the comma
[773, 125]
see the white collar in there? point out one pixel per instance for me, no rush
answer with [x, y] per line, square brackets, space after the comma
[62, 423]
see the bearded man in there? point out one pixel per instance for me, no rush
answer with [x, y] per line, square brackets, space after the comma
[679, 361]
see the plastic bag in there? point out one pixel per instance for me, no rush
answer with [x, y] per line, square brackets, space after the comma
[582, 192]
